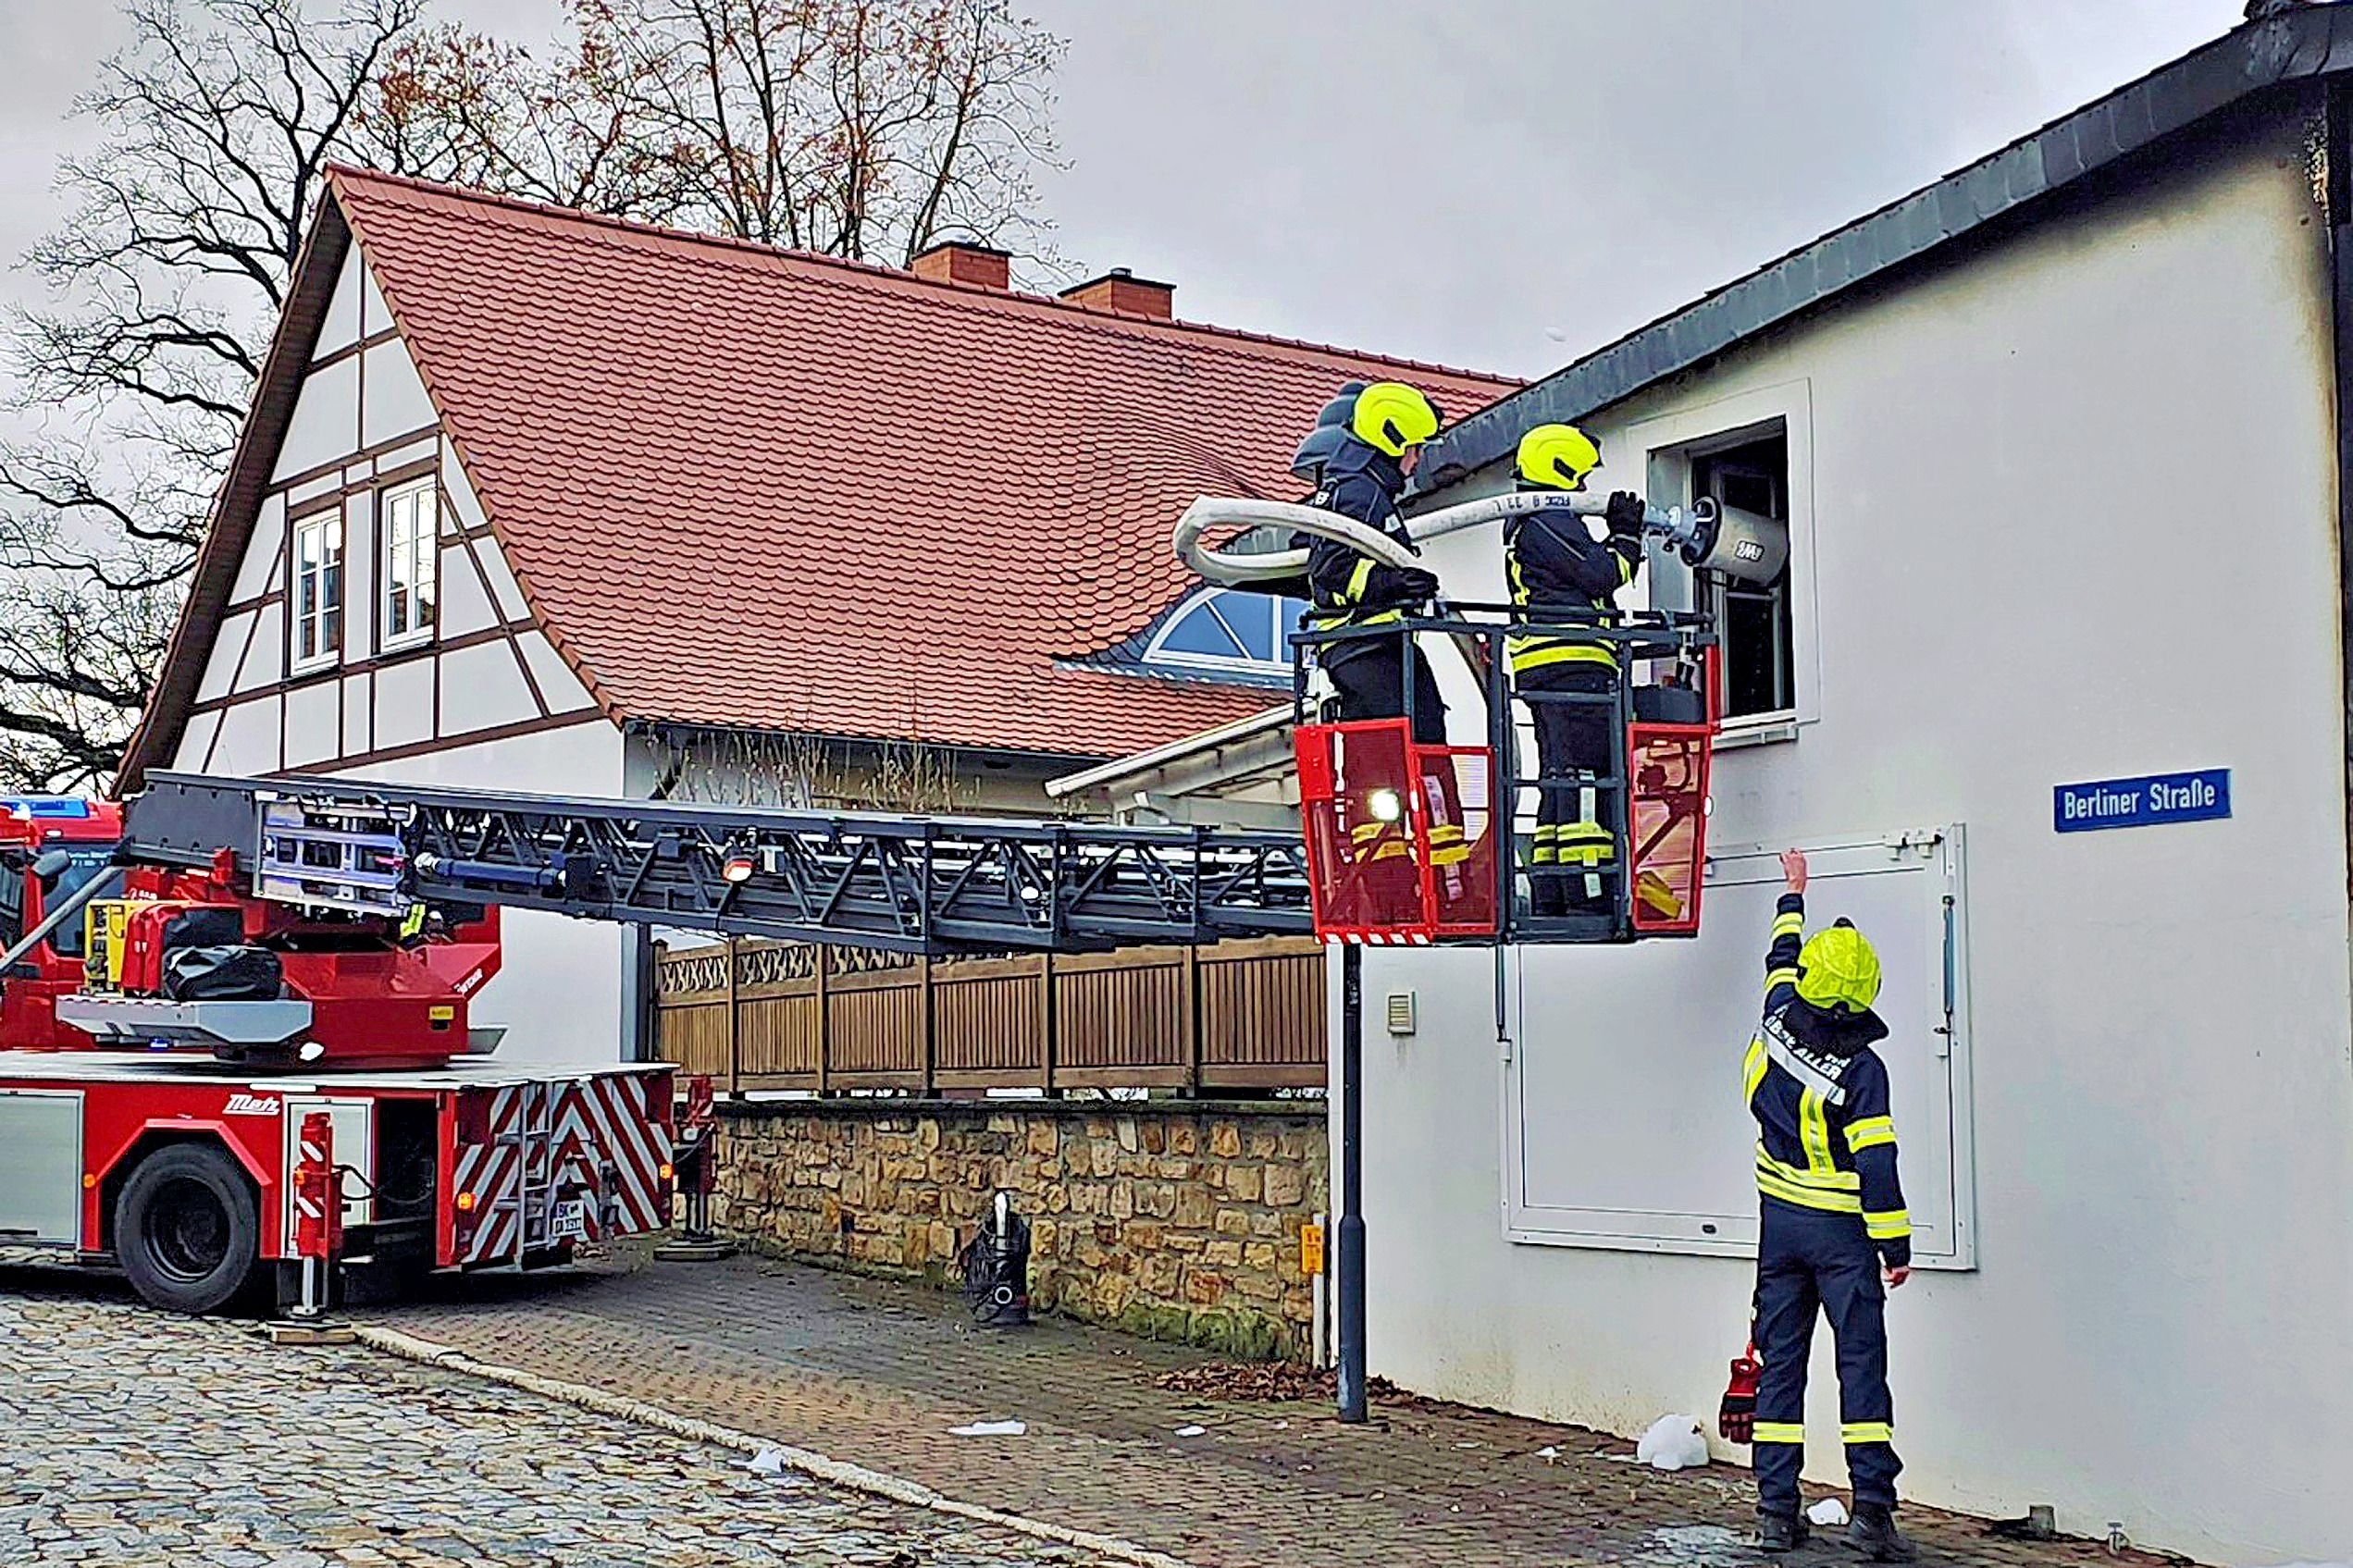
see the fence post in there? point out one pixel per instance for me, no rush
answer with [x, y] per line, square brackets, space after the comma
[1048, 1038]
[735, 1031]
[929, 1028]
[1189, 1017]
[823, 968]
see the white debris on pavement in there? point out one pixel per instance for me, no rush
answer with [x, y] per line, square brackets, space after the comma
[1829, 1511]
[1674, 1442]
[767, 1462]
[1190, 1431]
[990, 1429]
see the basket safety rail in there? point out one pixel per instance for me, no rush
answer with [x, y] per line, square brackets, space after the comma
[910, 883]
[1420, 843]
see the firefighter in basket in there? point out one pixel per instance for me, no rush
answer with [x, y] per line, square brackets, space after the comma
[1561, 575]
[1367, 440]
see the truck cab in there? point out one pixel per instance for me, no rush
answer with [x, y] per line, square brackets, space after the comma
[50, 846]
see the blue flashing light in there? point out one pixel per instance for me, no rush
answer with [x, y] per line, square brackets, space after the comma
[45, 806]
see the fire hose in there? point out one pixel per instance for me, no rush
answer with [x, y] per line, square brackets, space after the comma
[1704, 535]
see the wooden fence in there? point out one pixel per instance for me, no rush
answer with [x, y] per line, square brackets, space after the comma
[768, 1015]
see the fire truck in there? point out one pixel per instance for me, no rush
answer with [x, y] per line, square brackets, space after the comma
[189, 977]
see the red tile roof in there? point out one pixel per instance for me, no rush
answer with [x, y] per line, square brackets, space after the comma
[749, 487]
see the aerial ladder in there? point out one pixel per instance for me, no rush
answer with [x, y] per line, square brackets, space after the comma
[191, 976]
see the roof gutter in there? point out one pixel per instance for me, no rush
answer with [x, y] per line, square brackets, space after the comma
[2309, 42]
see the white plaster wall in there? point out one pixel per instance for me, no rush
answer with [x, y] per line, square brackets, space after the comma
[559, 991]
[2073, 518]
[326, 422]
[396, 399]
[340, 328]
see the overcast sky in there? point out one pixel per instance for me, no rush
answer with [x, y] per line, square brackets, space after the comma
[1501, 184]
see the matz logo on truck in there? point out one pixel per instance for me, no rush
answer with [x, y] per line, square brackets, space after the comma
[253, 1105]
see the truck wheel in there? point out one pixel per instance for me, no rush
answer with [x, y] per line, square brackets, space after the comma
[186, 1228]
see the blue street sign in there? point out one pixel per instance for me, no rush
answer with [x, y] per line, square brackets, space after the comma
[2141, 803]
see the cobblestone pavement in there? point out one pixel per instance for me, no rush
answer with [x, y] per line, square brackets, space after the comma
[127, 1436]
[877, 1373]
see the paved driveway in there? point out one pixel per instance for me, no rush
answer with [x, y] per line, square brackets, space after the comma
[127, 1436]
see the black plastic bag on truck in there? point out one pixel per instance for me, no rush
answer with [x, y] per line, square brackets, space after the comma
[223, 974]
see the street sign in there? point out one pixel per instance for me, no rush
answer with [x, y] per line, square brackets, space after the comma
[2150, 801]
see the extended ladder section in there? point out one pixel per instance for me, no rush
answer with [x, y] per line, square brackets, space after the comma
[912, 884]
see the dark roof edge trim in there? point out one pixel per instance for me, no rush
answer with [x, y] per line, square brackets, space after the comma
[2307, 43]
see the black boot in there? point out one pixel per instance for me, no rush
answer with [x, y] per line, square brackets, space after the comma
[1874, 1534]
[1777, 1533]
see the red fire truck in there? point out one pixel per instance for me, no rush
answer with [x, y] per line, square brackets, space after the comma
[186, 978]
[159, 1054]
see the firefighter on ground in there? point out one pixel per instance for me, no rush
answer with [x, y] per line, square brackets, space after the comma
[1561, 573]
[1382, 427]
[1833, 1235]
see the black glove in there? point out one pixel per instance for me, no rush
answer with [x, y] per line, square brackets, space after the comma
[1624, 513]
[1414, 585]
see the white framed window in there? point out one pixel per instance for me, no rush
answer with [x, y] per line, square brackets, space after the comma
[410, 527]
[1229, 631]
[317, 591]
[1754, 451]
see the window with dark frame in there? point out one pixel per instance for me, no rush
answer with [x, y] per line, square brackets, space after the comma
[1760, 660]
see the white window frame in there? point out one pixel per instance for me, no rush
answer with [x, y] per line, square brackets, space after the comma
[1157, 652]
[1671, 441]
[1938, 857]
[330, 526]
[424, 545]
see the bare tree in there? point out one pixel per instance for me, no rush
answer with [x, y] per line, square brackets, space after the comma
[164, 283]
[862, 128]
[867, 128]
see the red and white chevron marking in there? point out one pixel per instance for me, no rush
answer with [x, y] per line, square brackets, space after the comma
[596, 1122]
[491, 1171]
[607, 1121]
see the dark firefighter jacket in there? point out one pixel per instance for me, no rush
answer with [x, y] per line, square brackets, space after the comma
[1346, 588]
[1559, 572]
[1826, 1139]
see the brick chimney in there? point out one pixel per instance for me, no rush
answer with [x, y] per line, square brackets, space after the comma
[1123, 291]
[957, 261]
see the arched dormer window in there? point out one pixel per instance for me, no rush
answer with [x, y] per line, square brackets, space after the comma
[1228, 631]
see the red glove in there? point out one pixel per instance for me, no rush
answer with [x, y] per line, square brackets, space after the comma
[1736, 1417]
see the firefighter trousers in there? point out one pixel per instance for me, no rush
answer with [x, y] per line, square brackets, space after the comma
[1809, 1261]
[1576, 835]
[1372, 676]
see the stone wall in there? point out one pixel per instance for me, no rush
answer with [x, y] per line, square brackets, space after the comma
[1174, 1220]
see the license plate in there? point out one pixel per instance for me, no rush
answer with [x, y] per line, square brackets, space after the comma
[569, 1220]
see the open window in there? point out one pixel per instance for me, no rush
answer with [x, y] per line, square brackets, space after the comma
[1760, 654]
[1754, 451]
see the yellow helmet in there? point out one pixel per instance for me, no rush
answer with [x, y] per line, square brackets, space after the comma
[1391, 416]
[1837, 971]
[1558, 457]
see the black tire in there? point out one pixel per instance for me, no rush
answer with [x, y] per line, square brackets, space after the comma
[188, 1228]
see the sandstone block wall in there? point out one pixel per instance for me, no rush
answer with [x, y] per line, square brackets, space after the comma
[1174, 1220]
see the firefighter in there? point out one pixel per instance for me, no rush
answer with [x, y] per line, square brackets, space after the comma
[1833, 1235]
[1381, 428]
[1560, 573]
[1362, 477]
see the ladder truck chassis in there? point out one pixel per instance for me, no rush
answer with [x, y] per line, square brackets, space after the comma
[181, 1171]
